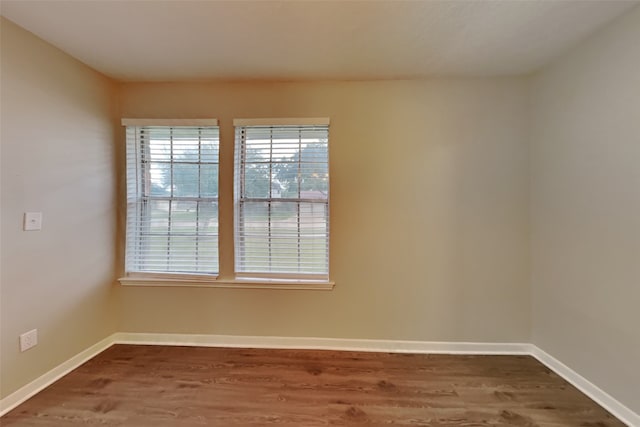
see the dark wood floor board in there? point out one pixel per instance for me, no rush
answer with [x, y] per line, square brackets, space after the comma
[158, 386]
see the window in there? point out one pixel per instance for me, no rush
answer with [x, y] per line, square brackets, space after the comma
[281, 204]
[172, 197]
[282, 199]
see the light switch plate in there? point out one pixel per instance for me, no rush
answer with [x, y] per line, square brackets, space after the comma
[32, 221]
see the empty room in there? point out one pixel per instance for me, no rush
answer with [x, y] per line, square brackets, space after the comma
[311, 213]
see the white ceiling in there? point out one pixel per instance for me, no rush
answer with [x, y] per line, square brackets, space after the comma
[176, 40]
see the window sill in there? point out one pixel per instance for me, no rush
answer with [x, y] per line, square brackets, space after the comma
[253, 283]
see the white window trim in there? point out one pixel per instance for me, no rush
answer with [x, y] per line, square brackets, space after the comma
[266, 277]
[238, 283]
[295, 121]
[151, 277]
[213, 281]
[169, 122]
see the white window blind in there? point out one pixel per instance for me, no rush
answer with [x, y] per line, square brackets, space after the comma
[282, 200]
[172, 197]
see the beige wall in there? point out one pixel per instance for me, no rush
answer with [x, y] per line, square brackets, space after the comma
[429, 212]
[57, 158]
[585, 163]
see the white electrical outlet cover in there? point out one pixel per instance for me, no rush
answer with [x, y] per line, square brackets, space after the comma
[28, 340]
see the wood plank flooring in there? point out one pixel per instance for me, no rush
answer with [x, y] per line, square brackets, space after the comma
[131, 385]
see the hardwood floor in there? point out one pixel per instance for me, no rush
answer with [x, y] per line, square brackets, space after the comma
[130, 385]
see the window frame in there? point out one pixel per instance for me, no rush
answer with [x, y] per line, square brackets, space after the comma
[221, 280]
[303, 124]
[137, 198]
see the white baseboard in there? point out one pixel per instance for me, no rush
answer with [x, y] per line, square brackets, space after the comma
[616, 408]
[340, 344]
[44, 381]
[605, 400]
